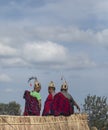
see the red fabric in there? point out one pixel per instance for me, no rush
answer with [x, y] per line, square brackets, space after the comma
[61, 105]
[31, 105]
[48, 106]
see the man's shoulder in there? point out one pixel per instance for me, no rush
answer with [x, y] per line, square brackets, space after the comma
[69, 95]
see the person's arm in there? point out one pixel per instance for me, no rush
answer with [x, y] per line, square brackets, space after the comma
[77, 106]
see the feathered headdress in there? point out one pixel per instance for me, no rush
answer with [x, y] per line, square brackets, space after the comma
[51, 85]
[64, 85]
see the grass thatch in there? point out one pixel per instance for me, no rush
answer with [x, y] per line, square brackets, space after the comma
[73, 122]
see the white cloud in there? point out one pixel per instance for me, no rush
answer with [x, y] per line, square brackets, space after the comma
[71, 35]
[5, 78]
[55, 56]
[45, 52]
[102, 37]
[7, 50]
[74, 34]
[13, 62]
[77, 61]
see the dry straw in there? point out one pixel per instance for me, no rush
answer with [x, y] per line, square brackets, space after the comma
[94, 128]
[73, 122]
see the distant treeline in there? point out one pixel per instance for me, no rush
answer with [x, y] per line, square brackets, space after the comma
[12, 108]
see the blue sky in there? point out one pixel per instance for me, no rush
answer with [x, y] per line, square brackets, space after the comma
[51, 38]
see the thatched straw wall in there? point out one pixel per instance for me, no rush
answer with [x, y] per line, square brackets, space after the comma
[73, 122]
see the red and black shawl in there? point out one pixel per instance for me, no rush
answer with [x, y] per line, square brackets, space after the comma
[61, 105]
[48, 106]
[31, 105]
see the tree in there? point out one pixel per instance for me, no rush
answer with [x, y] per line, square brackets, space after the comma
[97, 109]
[12, 108]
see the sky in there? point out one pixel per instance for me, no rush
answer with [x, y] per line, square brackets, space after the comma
[49, 39]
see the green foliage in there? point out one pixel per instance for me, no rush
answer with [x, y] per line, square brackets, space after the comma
[12, 108]
[97, 109]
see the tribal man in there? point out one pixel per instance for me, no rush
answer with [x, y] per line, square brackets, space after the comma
[48, 103]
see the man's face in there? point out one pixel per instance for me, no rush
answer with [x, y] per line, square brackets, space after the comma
[50, 90]
[38, 89]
